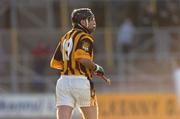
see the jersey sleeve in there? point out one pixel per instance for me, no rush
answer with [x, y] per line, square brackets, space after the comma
[56, 60]
[84, 49]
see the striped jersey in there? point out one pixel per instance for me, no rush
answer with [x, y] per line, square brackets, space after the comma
[74, 45]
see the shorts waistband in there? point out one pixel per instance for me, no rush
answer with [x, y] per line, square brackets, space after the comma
[73, 76]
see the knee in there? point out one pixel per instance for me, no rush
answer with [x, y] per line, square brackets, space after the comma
[63, 112]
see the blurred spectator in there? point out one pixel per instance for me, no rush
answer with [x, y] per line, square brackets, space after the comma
[163, 17]
[174, 13]
[40, 55]
[168, 15]
[125, 36]
[146, 17]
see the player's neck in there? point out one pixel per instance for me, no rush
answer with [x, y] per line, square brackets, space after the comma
[82, 28]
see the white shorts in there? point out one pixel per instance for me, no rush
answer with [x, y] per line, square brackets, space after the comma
[74, 91]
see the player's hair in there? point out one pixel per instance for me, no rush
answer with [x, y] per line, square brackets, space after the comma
[81, 14]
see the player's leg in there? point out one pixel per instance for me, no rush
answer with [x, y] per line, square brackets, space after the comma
[64, 99]
[84, 94]
[64, 112]
[90, 112]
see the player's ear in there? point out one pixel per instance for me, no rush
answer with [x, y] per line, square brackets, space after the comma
[83, 22]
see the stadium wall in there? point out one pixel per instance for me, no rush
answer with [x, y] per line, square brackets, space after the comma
[111, 106]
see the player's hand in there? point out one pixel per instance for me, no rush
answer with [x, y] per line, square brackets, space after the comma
[98, 70]
[103, 77]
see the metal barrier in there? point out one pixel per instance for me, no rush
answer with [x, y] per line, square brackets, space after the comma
[142, 66]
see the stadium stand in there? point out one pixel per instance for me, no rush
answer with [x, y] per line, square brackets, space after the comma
[33, 22]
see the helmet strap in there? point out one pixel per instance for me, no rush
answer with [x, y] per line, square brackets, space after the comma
[84, 28]
[87, 23]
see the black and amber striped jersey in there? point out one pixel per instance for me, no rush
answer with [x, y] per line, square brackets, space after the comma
[73, 45]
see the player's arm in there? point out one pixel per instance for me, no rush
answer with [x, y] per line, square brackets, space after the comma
[87, 63]
[84, 54]
[92, 66]
[56, 60]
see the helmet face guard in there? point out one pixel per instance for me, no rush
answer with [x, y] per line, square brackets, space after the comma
[81, 14]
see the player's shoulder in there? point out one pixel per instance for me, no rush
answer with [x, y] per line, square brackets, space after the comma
[82, 32]
[87, 36]
[83, 35]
